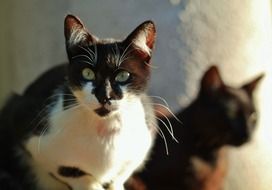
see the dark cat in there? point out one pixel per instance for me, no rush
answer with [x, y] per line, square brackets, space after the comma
[220, 115]
[78, 126]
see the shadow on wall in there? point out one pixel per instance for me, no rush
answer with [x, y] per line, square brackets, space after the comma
[236, 35]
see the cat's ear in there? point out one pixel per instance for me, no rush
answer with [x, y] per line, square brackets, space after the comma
[76, 33]
[212, 81]
[250, 86]
[142, 39]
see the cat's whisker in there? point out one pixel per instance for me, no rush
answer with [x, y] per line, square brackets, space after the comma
[40, 138]
[44, 118]
[83, 56]
[124, 54]
[39, 114]
[126, 48]
[171, 131]
[84, 61]
[156, 126]
[125, 57]
[160, 98]
[71, 98]
[60, 94]
[116, 54]
[163, 137]
[71, 107]
[95, 53]
[169, 110]
[89, 51]
[150, 65]
[45, 128]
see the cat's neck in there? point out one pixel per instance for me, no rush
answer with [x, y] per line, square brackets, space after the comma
[83, 131]
[199, 144]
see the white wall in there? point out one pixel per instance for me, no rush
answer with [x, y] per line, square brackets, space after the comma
[192, 34]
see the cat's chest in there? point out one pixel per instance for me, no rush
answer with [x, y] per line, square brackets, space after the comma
[99, 147]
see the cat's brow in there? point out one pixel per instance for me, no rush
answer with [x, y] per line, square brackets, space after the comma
[116, 54]
[125, 54]
[90, 58]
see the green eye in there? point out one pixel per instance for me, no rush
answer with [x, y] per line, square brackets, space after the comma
[122, 76]
[88, 74]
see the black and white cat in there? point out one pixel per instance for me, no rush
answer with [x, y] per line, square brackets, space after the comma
[84, 126]
[220, 115]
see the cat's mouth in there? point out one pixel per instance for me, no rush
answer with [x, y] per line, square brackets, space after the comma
[102, 111]
[105, 111]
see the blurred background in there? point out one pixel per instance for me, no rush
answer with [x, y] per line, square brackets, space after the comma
[192, 34]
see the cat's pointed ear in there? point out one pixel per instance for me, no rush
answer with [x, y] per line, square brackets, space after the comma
[142, 38]
[76, 33]
[212, 81]
[250, 86]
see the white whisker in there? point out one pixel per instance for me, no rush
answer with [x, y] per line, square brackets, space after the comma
[83, 61]
[71, 107]
[160, 98]
[84, 56]
[156, 126]
[124, 54]
[163, 137]
[89, 51]
[116, 53]
[171, 131]
[40, 138]
[95, 53]
[168, 109]
[46, 127]
[150, 65]
[124, 57]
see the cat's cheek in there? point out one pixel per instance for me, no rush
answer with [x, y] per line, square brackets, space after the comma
[86, 97]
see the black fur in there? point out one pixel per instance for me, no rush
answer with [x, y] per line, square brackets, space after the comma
[205, 127]
[71, 172]
[24, 116]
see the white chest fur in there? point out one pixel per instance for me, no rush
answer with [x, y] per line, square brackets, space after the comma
[106, 148]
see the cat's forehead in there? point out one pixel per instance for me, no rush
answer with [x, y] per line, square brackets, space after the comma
[110, 54]
[100, 56]
[238, 95]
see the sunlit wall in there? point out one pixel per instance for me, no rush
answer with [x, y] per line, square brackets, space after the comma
[192, 34]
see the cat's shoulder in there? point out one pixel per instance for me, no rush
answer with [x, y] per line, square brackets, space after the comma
[47, 82]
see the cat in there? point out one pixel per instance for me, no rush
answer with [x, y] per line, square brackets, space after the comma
[77, 127]
[220, 115]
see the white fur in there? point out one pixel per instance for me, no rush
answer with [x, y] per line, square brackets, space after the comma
[140, 41]
[77, 35]
[108, 148]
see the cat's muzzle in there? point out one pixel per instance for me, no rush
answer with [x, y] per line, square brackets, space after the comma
[106, 108]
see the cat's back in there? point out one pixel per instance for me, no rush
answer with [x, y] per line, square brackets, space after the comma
[20, 111]
[47, 82]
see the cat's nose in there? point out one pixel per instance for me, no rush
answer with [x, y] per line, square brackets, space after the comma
[102, 96]
[105, 101]
[102, 99]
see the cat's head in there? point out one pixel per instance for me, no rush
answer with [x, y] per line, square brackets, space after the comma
[105, 73]
[228, 114]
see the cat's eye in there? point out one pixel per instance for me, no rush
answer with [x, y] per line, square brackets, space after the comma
[122, 77]
[88, 74]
